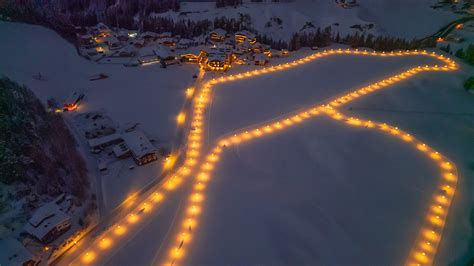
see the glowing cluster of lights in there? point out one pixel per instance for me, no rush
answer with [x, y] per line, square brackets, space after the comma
[205, 165]
[438, 212]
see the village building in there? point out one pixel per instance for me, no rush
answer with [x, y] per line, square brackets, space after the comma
[166, 55]
[113, 43]
[148, 56]
[121, 150]
[139, 43]
[140, 147]
[217, 61]
[148, 36]
[260, 60]
[133, 143]
[127, 51]
[243, 36]
[193, 55]
[122, 36]
[168, 41]
[217, 35]
[101, 142]
[14, 253]
[48, 222]
[101, 30]
[164, 35]
[185, 43]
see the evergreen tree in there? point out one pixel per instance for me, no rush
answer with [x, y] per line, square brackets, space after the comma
[460, 53]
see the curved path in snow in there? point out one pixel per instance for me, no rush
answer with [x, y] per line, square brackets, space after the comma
[201, 165]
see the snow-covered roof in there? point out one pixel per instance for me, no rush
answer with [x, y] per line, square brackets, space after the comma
[166, 39]
[192, 50]
[111, 39]
[147, 50]
[120, 149]
[96, 142]
[219, 32]
[163, 53]
[164, 35]
[148, 34]
[217, 56]
[13, 252]
[186, 41]
[248, 34]
[128, 49]
[138, 143]
[44, 219]
[200, 39]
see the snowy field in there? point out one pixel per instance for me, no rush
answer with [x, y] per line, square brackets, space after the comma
[436, 109]
[245, 102]
[406, 18]
[150, 96]
[321, 193]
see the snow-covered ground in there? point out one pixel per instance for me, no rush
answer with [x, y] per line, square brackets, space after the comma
[406, 18]
[150, 96]
[322, 192]
[437, 109]
[246, 102]
[319, 194]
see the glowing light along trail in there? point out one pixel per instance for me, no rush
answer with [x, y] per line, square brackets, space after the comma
[427, 242]
[194, 149]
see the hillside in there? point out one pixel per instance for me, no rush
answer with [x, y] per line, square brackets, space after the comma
[38, 156]
[278, 20]
[405, 18]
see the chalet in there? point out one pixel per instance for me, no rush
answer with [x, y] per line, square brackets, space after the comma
[217, 61]
[164, 35]
[133, 143]
[101, 30]
[166, 55]
[168, 41]
[148, 56]
[48, 222]
[113, 43]
[243, 36]
[148, 36]
[14, 253]
[140, 147]
[121, 150]
[217, 35]
[139, 43]
[199, 40]
[122, 36]
[101, 142]
[257, 48]
[184, 43]
[242, 48]
[127, 51]
[260, 60]
[192, 56]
